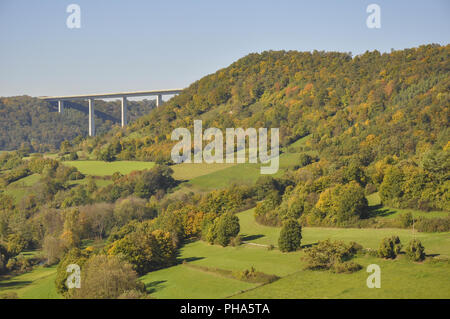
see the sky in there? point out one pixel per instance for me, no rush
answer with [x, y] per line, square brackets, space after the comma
[150, 45]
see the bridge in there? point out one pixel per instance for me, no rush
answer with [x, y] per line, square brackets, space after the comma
[121, 95]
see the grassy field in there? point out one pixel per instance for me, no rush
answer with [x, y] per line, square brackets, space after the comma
[100, 168]
[175, 281]
[435, 243]
[37, 284]
[400, 278]
[98, 182]
[26, 181]
[188, 171]
[389, 212]
[22, 187]
[245, 173]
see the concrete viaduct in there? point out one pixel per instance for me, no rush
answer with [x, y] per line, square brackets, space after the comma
[122, 95]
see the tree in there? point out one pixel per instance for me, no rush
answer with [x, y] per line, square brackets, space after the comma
[145, 251]
[391, 187]
[304, 159]
[290, 236]
[227, 228]
[74, 256]
[4, 256]
[342, 203]
[53, 249]
[415, 251]
[132, 208]
[390, 247]
[107, 154]
[106, 277]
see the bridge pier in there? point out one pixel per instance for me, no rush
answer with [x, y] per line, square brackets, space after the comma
[91, 118]
[122, 95]
[159, 100]
[60, 106]
[124, 110]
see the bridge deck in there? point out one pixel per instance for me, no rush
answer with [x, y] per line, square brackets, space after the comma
[110, 95]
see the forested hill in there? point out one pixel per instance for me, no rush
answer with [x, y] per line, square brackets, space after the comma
[37, 125]
[370, 105]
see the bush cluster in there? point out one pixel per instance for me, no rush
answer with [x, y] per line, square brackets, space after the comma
[333, 255]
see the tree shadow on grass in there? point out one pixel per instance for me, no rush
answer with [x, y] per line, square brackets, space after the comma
[189, 259]
[251, 237]
[378, 211]
[308, 245]
[14, 284]
[154, 286]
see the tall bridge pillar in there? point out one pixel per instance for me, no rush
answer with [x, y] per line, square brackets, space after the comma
[124, 110]
[159, 100]
[91, 118]
[60, 106]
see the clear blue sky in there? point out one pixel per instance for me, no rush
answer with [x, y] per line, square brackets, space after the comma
[140, 45]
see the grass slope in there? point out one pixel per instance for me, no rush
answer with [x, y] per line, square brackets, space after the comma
[36, 284]
[435, 243]
[180, 282]
[100, 168]
[400, 278]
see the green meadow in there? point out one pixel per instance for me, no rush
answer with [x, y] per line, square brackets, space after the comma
[389, 212]
[400, 277]
[100, 168]
[37, 284]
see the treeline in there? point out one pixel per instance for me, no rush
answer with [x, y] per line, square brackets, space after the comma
[36, 126]
[372, 104]
[138, 229]
[378, 122]
[336, 195]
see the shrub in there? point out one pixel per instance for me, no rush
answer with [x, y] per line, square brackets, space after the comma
[331, 255]
[9, 295]
[346, 267]
[430, 225]
[73, 156]
[370, 189]
[251, 275]
[390, 247]
[415, 251]
[370, 252]
[304, 160]
[290, 236]
[405, 219]
[355, 247]
[265, 211]
[134, 294]
[236, 241]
